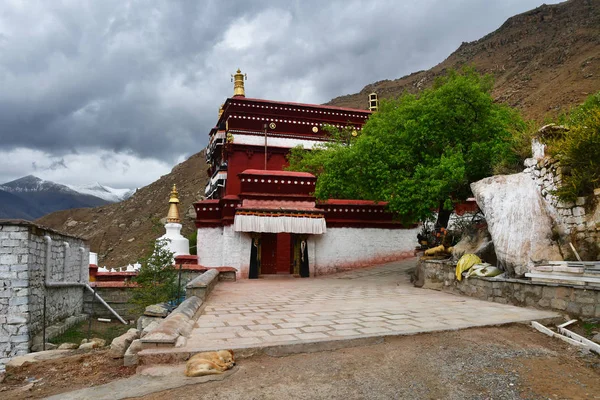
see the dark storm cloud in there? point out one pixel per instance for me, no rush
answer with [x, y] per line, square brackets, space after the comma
[147, 77]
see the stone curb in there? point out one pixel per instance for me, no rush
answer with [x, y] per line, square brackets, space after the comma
[179, 323]
[172, 356]
[202, 285]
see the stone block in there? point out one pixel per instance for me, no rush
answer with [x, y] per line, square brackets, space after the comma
[587, 310]
[558, 304]
[18, 301]
[22, 235]
[13, 319]
[19, 283]
[8, 259]
[19, 268]
[573, 308]
[19, 339]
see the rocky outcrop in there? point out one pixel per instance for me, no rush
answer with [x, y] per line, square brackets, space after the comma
[518, 221]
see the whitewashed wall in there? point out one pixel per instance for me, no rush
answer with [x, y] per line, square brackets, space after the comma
[223, 247]
[342, 249]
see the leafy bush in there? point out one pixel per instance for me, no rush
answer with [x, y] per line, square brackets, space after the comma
[157, 278]
[578, 151]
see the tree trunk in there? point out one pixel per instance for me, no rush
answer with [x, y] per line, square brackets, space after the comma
[443, 216]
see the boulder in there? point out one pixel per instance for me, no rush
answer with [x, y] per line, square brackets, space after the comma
[120, 344]
[518, 221]
[93, 343]
[131, 358]
[157, 310]
[19, 361]
[68, 346]
[40, 347]
[596, 338]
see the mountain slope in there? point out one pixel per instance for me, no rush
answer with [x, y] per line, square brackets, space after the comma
[544, 61]
[107, 193]
[14, 207]
[120, 233]
[35, 197]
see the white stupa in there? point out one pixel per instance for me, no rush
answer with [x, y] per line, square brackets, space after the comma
[178, 244]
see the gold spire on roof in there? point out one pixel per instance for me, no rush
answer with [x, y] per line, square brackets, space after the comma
[221, 110]
[238, 84]
[173, 215]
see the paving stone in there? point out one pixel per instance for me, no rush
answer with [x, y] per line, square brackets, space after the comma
[369, 302]
[292, 325]
[312, 336]
[309, 329]
[284, 331]
[345, 332]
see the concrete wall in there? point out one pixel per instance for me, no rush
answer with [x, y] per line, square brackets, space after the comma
[22, 282]
[339, 249]
[576, 301]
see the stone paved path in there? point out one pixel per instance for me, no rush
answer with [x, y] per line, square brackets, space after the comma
[377, 301]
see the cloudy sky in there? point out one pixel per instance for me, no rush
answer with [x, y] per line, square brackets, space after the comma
[119, 91]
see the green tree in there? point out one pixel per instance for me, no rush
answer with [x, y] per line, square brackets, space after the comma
[156, 281]
[419, 152]
[578, 150]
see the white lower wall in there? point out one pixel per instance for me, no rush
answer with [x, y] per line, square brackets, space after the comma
[224, 247]
[340, 249]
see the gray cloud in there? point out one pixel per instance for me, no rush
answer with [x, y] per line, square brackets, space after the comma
[144, 79]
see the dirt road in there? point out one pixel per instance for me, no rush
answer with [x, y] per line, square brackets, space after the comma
[511, 362]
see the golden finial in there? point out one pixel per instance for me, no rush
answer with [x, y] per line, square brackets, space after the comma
[238, 84]
[221, 110]
[173, 215]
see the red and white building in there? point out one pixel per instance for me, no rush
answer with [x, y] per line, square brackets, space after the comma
[261, 220]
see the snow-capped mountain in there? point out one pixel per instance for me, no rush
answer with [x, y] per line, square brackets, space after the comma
[31, 197]
[107, 193]
[32, 183]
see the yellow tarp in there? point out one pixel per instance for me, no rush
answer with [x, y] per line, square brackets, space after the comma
[466, 262]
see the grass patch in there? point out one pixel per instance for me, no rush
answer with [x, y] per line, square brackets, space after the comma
[590, 327]
[104, 330]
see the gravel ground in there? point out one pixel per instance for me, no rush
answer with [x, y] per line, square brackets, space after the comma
[510, 362]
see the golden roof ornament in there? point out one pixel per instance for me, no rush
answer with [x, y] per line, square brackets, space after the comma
[221, 110]
[173, 215]
[238, 84]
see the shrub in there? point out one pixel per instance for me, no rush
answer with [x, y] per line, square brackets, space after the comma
[578, 151]
[157, 278]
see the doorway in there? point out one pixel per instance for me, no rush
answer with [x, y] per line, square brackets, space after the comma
[275, 253]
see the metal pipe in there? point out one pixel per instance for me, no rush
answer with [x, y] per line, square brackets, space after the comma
[105, 304]
[44, 327]
[84, 275]
[91, 315]
[65, 254]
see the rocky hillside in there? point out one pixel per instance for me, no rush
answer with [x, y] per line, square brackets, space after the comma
[544, 61]
[121, 233]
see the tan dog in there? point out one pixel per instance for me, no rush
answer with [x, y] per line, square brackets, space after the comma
[209, 363]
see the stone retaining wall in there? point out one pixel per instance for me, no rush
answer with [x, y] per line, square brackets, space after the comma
[116, 297]
[582, 302]
[23, 247]
[580, 221]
